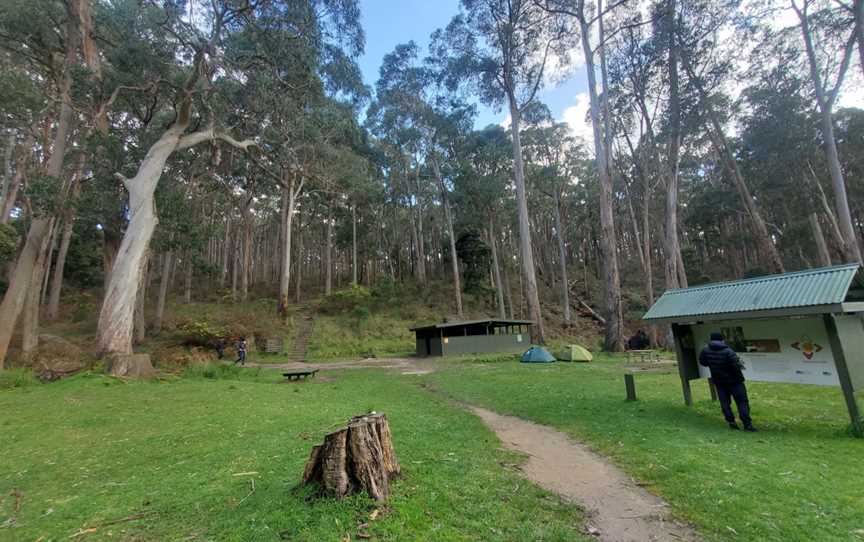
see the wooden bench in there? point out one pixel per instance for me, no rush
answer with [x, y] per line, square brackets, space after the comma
[297, 375]
[642, 356]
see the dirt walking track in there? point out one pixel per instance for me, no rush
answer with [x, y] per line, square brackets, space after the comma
[616, 508]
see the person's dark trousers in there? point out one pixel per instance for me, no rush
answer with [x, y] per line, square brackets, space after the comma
[727, 392]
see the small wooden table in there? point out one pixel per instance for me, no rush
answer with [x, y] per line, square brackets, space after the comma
[642, 356]
[297, 375]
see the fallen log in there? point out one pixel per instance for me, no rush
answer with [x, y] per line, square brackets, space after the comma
[354, 459]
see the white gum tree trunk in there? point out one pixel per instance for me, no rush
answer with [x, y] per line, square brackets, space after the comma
[117, 317]
[525, 248]
[454, 259]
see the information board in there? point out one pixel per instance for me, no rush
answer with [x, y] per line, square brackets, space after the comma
[792, 350]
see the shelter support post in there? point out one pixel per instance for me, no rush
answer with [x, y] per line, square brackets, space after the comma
[843, 375]
[678, 334]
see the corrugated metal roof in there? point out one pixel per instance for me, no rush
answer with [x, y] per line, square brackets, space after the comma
[488, 321]
[814, 287]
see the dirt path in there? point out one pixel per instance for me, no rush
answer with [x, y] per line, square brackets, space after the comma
[617, 509]
[408, 366]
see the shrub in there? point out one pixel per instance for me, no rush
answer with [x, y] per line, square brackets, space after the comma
[200, 332]
[17, 378]
[347, 299]
[360, 312]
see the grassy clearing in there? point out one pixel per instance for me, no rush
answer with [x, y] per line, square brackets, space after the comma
[91, 450]
[800, 478]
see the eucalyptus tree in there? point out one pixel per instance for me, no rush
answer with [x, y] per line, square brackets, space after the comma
[551, 151]
[304, 78]
[502, 49]
[410, 103]
[481, 186]
[829, 35]
[44, 37]
[589, 18]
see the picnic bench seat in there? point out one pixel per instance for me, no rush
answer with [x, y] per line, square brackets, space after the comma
[297, 375]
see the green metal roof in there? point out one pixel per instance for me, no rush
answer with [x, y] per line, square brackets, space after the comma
[494, 322]
[804, 290]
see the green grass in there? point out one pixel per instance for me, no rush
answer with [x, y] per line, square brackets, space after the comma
[800, 478]
[88, 451]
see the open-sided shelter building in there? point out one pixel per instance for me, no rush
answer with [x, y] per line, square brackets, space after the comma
[805, 327]
[473, 337]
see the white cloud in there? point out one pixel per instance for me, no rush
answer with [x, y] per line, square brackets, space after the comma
[506, 122]
[851, 96]
[575, 117]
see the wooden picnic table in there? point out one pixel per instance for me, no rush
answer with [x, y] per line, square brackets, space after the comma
[297, 375]
[642, 356]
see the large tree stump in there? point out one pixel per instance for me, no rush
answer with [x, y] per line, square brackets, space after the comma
[358, 458]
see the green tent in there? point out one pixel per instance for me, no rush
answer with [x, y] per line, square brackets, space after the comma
[574, 352]
[536, 354]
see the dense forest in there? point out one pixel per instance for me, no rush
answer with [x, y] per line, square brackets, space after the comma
[230, 149]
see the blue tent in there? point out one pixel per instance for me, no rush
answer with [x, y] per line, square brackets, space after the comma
[536, 354]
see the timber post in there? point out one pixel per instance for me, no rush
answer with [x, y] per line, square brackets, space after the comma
[630, 385]
[844, 376]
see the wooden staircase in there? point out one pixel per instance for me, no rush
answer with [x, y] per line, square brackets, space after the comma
[300, 344]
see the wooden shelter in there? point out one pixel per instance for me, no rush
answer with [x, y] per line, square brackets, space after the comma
[805, 327]
[473, 337]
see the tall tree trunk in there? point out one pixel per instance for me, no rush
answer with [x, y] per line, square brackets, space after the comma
[354, 244]
[454, 257]
[526, 251]
[298, 279]
[826, 100]
[246, 256]
[225, 255]
[496, 270]
[21, 282]
[30, 312]
[614, 340]
[718, 138]
[328, 254]
[821, 245]
[164, 279]
[26, 266]
[187, 281]
[562, 257]
[66, 238]
[291, 189]
[140, 329]
[671, 246]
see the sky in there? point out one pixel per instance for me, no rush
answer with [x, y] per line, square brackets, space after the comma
[388, 23]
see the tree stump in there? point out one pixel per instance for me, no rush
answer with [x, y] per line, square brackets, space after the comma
[357, 458]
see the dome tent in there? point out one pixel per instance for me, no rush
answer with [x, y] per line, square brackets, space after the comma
[575, 352]
[536, 354]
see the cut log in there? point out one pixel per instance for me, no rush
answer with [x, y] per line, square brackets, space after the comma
[358, 458]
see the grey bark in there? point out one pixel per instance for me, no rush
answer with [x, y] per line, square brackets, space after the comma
[525, 249]
[614, 341]
[164, 279]
[562, 257]
[454, 258]
[496, 270]
[825, 99]
[821, 245]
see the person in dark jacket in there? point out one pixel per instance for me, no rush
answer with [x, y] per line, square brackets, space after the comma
[728, 379]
